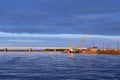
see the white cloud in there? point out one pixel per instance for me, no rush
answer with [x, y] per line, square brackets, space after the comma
[2, 34]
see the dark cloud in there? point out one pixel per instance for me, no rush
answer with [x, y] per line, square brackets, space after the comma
[60, 16]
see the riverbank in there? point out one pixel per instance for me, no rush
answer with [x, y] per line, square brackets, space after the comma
[82, 51]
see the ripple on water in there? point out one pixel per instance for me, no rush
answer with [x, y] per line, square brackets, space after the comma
[50, 66]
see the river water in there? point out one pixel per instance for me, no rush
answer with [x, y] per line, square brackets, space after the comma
[58, 66]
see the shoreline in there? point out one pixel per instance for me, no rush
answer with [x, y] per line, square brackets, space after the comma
[93, 50]
[85, 51]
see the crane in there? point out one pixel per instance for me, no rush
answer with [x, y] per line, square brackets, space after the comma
[82, 41]
[71, 47]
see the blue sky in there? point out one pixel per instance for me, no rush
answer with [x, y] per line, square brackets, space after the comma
[52, 17]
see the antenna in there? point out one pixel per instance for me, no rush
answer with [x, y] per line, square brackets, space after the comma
[93, 44]
[110, 44]
[103, 45]
[118, 45]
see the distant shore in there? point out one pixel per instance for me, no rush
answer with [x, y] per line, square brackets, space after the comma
[82, 51]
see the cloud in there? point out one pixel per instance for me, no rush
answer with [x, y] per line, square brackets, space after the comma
[60, 16]
[17, 39]
[22, 36]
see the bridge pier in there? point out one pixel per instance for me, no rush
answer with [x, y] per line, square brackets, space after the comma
[30, 49]
[54, 50]
[5, 49]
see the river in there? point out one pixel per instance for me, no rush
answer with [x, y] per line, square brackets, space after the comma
[58, 66]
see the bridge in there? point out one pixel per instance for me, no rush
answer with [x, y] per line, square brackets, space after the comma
[28, 48]
[35, 47]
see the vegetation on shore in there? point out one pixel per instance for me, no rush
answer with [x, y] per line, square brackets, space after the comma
[111, 51]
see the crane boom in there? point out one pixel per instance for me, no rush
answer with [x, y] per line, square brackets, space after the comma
[70, 44]
[82, 41]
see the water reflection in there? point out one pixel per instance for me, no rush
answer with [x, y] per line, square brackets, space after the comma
[71, 54]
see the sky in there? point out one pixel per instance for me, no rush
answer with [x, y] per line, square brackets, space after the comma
[46, 19]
